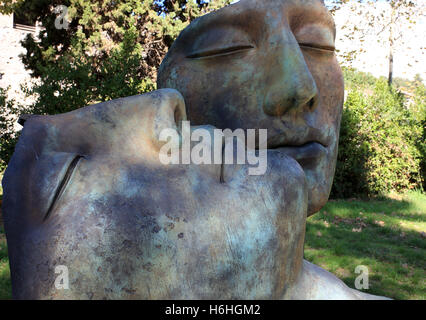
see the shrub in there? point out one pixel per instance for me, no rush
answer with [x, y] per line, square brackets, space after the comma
[379, 144]
[71, 83]
[355, 79]
[8, 137]
[419, 112]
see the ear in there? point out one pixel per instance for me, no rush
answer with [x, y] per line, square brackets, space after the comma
[169, 114]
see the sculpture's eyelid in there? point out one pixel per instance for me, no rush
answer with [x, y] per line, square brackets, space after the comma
[317, 46]
[316, 37]
[63, 184]
[219, 51]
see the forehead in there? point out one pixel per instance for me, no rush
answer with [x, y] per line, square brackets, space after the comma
[246, 13]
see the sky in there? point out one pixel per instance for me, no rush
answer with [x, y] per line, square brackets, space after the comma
[409, 55]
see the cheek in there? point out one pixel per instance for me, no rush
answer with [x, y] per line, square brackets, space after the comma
[329, 79]
[232, 101]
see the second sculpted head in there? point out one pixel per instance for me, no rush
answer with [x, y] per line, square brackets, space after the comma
[266, 65]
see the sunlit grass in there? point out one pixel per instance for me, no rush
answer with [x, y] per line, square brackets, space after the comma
[386, 235]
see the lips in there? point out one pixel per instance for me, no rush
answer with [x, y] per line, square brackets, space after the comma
[307, 154]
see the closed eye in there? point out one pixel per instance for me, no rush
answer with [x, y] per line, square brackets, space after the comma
[62, 185]
[219, 52]
[317, 47]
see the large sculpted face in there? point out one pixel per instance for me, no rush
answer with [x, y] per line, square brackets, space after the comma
[269, 65]
[86, 189]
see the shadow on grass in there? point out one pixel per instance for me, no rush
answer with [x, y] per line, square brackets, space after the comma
[5, 283]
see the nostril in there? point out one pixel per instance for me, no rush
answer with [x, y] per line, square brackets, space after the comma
[311, 103]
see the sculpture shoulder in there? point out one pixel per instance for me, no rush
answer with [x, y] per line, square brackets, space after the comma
[315, 283]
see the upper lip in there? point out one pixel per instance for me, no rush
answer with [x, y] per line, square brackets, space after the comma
[286, 133]
[298, 140]
[295, 145]
[301, 144]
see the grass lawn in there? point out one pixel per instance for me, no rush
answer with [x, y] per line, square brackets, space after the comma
[5, 285]
[384, 235]
[387, 236]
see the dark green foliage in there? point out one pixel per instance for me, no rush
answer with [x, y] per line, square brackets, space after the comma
[110, 49]
[71, 82]
[95, 27]
[419, 105]
[7, 136]
[382, 140]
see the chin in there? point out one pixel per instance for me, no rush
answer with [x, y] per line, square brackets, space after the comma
[317, 200]
[319, 188]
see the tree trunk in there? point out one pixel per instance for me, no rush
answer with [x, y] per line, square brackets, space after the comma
[390, 77]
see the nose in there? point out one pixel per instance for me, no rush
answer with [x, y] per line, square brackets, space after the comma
[291, 84]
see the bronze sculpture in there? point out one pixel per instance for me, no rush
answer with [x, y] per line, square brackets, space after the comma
[86, 190]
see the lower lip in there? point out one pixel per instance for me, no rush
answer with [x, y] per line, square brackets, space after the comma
[307, 154]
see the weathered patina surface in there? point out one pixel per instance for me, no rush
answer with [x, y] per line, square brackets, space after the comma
[270, 65]
[86, 189]
[127, 226]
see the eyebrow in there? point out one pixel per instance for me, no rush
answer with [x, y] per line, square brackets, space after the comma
[237, 17]
[329, 22]
[319, 16]
[227, 16]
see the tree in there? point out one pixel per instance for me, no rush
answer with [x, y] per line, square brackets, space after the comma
[99, 26]
[8, 137]
[87, 44]
[386, 20]
[90, 51]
